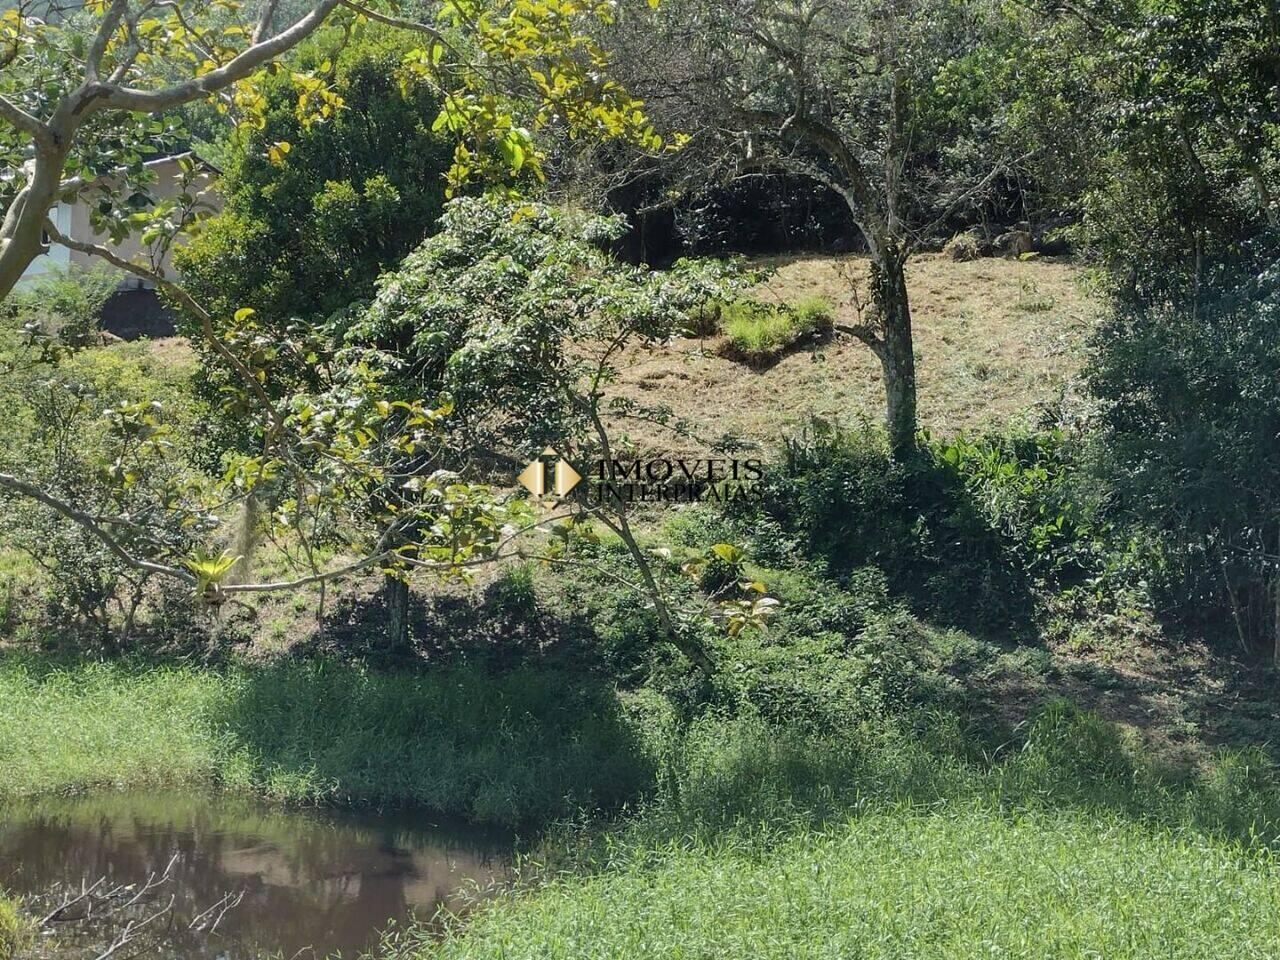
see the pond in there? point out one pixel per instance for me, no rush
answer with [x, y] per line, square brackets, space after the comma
[313, 881]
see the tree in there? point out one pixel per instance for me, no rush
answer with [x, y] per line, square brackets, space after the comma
[1196, 125]
[1186, 446]
[518, 316]
[841, 92]
[88, 96]
[1157, 127]
[78, 95]
[303, 233]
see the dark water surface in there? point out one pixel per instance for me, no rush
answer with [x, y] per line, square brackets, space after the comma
[314, 881]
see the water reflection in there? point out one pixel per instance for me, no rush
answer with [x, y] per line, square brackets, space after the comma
[313, 881]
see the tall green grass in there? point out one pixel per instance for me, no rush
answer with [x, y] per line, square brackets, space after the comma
[720, 775]
[765, 843]
[528, 745]
[15, 931]
[954, 883]
[537, 745]
[104, 724]
[749, 840]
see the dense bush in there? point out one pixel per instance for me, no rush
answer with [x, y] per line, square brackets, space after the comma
[1186, 448]
[81, 422]
[62, 306]
[305, 233]
[965, 529]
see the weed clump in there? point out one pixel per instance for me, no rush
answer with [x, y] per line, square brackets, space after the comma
[760, 334]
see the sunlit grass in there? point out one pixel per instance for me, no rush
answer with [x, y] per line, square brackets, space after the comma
[765, 843]
[99, 724]
[951, 884]
[16, 932]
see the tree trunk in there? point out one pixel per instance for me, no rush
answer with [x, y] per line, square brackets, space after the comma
[896, 350]
[395, 595]
[21, 233]
[246, 539]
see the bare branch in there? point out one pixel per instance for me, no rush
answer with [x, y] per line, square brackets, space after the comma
[925, 232]
[91, 524]
[110, 20]
[223, 906]
[391, 21]
[354, 567]
[264, 21]
[85, 893]
[132, 929]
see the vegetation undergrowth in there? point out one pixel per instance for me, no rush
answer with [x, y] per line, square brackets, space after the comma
[527, 746]
[766, 842]
[898, 883]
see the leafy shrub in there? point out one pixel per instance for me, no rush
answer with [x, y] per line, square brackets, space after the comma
[843, 500]
[879, 666]
[1187, 452]
[305, 234]
[514, 591]
[623, 636]
[834, 654]
[1027, 486]
[83, 581]
[759, 332]
[71, 417]
[63, 305]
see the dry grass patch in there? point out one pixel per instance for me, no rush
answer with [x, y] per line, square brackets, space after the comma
[994, 339]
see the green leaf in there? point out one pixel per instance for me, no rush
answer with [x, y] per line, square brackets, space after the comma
[729, 553]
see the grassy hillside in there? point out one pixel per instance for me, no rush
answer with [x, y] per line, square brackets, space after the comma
[994, 338]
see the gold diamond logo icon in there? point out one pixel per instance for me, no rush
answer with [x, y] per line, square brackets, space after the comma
[563, 477]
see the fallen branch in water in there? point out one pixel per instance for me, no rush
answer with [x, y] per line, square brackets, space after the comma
[98, 902]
